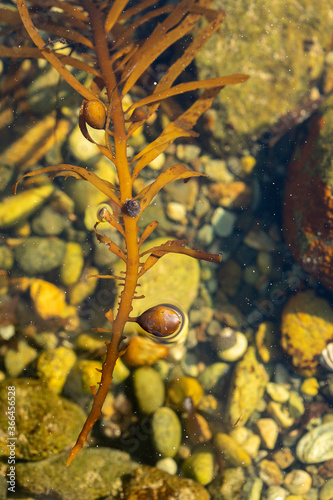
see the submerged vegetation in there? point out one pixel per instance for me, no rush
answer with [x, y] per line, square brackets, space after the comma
[104, 42]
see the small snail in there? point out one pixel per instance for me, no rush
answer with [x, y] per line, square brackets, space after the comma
[132, 207]
[94, 113]
[164, 323]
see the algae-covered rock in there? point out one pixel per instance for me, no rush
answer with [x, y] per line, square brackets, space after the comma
[167, 432]
[95, 473]
[306, 327]
[45, 423]
[148, 389]
[16, 209]
[54, 365]
[246, 389]
[40, 255]
[85, 373]
[255, 39]
[200, 467]
[149, 482]
[6, 258]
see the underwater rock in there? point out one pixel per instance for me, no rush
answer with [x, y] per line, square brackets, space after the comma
[182, 388]
[45, 423]
[84, 374]
[167, 432]
[306, 327]
[53, 367]
[148, 389]
[317, 445]
[49, 302]
[95, 473]
[241, 401]
[308, 202]
[233, 195]
[83, 288]
[143, 351]
[49, 223]
[150, 482]
[17, 359]
[278, 78]
[231, 452]
[16, 209]
[200, 467]
[39, 255]
[72, 265]
[6, 258]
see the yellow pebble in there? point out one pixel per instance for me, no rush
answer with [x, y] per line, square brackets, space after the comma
[248, 164]
[310, 386]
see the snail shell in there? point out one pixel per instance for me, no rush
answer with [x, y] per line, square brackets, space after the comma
[326, 357]
[132, 207]
[94, 113]
[164, 323]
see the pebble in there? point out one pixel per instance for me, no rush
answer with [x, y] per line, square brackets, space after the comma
[6, 258]
[200, 467]
[242, 402]
[143, 351]
[284, 457]
[232, 453]
[82, 149]
[184, 387]
[296, 405]
[37, 255]
[310, 386]
[167, 432]
[205, 235]
[216, 169]
[277, 392]
[17, 359]
[268, 431]
[72, 265]
[317, 445]
[234, 195]
[83, 288]
[270, 473]
[249, 441]
[84, 374]
[223, 222]
[49, 223]
[158, 162]
[187, 152]
[212, 374]
[276, 493]
[176, 212]
[167, 464]
[16, 209]
[53, 367]
[326, 492]
[148, 389]
[298, 482]
[280, 414]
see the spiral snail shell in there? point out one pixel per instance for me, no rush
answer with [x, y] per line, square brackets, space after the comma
[164, 323]
[94, 113]
[326, 357]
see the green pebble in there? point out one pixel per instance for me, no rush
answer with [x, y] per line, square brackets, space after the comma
[167, 432]
[17, 359]
[39, 255]
[6, 258]
[45, 423]
[148, 389]
[53, 367]
[212, 374]
[72, 265]
[296, 405]
[231, 451]
[49, 223]
[200, 467]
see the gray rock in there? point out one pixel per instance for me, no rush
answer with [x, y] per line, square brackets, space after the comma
[317, 445]
[40, 255]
